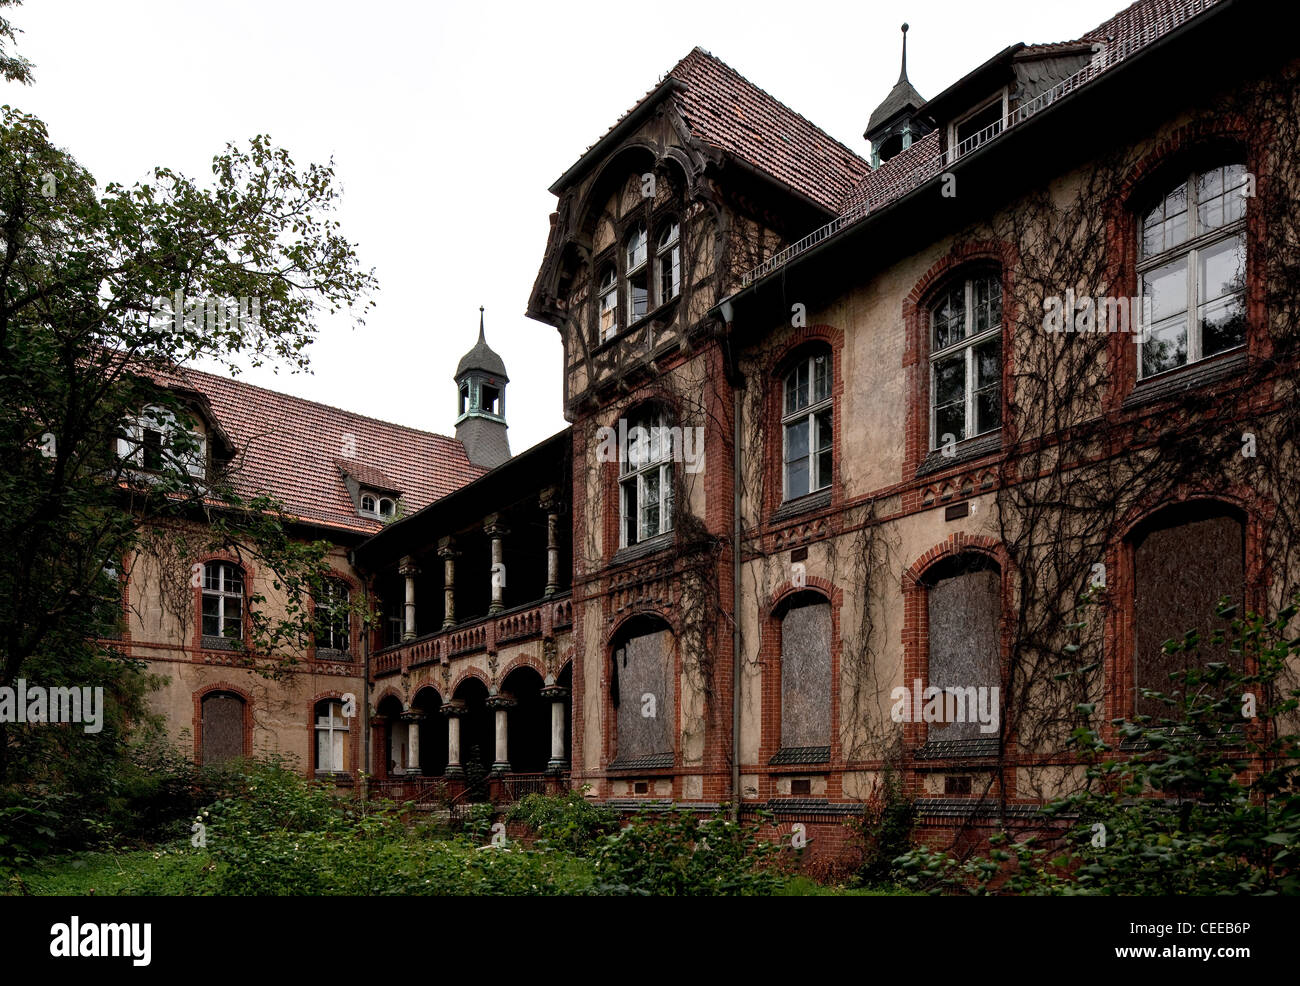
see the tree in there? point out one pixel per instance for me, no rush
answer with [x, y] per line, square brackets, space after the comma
[86, 341]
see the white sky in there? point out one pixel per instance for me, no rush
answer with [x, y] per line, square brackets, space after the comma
[447, 123]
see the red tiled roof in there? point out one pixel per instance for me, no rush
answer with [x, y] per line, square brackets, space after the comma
[294, 450]
[727, 111]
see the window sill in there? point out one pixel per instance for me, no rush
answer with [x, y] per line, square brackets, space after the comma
[642, 549]
[790, 756]
[333, 656]
[1175, 383]
[802, 505]
[654, 761]
[962, 749]
[967, 451]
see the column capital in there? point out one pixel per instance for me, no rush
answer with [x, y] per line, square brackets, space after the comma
[493, 526]
[554, 692]
[447, 548]
[407, 567]
[549, 500]
[455, 708]
[413, 715]
[501, 702]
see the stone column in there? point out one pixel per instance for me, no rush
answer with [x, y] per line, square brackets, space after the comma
[448, 553]
[559, 755]
[550, 503]
[494, 529]
[502, 705]
[412, 718]
[409, 570]
[453, 711]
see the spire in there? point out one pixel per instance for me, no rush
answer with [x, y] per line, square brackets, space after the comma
[902, 75]
[481, 337]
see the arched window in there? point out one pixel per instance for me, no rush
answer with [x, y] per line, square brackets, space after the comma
[608, 303]
[1192, 271]
[806, 673]
[964, 610]
[1184, 559]
[331, 736]
[368, 504]
[669, 255]
[223, 604]
[642, 691]
[646, 478]
[386, 507]
[223, 715]
[637, 271]
[333, 618]
[806, 426]
[966, 360]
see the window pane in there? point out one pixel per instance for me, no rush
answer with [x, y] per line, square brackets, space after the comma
[1221, 283]
[796, 388]
[670, 273]
[949, 420]
[949, 319]
[638, 295]
[1164, 291]
[636, 248]
[821, 378]
[987, 303]
[796, 459]
[649, 503]
[823, 450]
[1165, 346]
[233, 616]
[666, 485]
[629, 512]
[950, 379]
[211, 616]
[988, 377]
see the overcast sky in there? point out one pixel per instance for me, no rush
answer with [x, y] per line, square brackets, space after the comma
[448, 122]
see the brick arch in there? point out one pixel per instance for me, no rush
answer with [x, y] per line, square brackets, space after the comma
[427, 686]
[1181, 148]
[916, 338]
[522, 661]
[815, 584]
[957, 543]
[197, 721]
[780, 362]
[465, 676]
[388, 692]
[655, 612]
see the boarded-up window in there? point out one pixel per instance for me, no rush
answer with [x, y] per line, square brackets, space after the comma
[965, 608]
[806, 675]
[223, 727]
[643, 695]
[1183, 563]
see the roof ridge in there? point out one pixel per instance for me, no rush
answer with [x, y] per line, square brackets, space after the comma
[184, 371]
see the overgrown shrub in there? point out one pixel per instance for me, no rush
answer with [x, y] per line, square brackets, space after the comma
[566, 821]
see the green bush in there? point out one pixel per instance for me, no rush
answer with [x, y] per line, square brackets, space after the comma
[567, 821]
[675, 853]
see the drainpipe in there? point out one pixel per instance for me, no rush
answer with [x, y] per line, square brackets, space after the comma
[736, 382]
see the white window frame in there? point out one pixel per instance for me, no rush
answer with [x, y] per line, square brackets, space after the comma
[970, 343]
[1194, 243]
[809, 412]
[333, 727]
[337, 597]
[158, 420]
[668, 252]
[607, 301]
[634, 475]
[1003, 97]
[220, 590]
[631, 268]
[373, 508]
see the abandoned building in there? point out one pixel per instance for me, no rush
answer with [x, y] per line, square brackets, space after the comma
[823, 447]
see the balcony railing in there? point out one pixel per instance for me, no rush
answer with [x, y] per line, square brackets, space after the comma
[924, 159]
[523, 623]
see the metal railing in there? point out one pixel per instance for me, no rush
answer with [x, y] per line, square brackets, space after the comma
[924, 162]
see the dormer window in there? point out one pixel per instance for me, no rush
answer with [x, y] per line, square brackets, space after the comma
[638, 274]
[156, 442]
[375, 505]
[978, 127]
